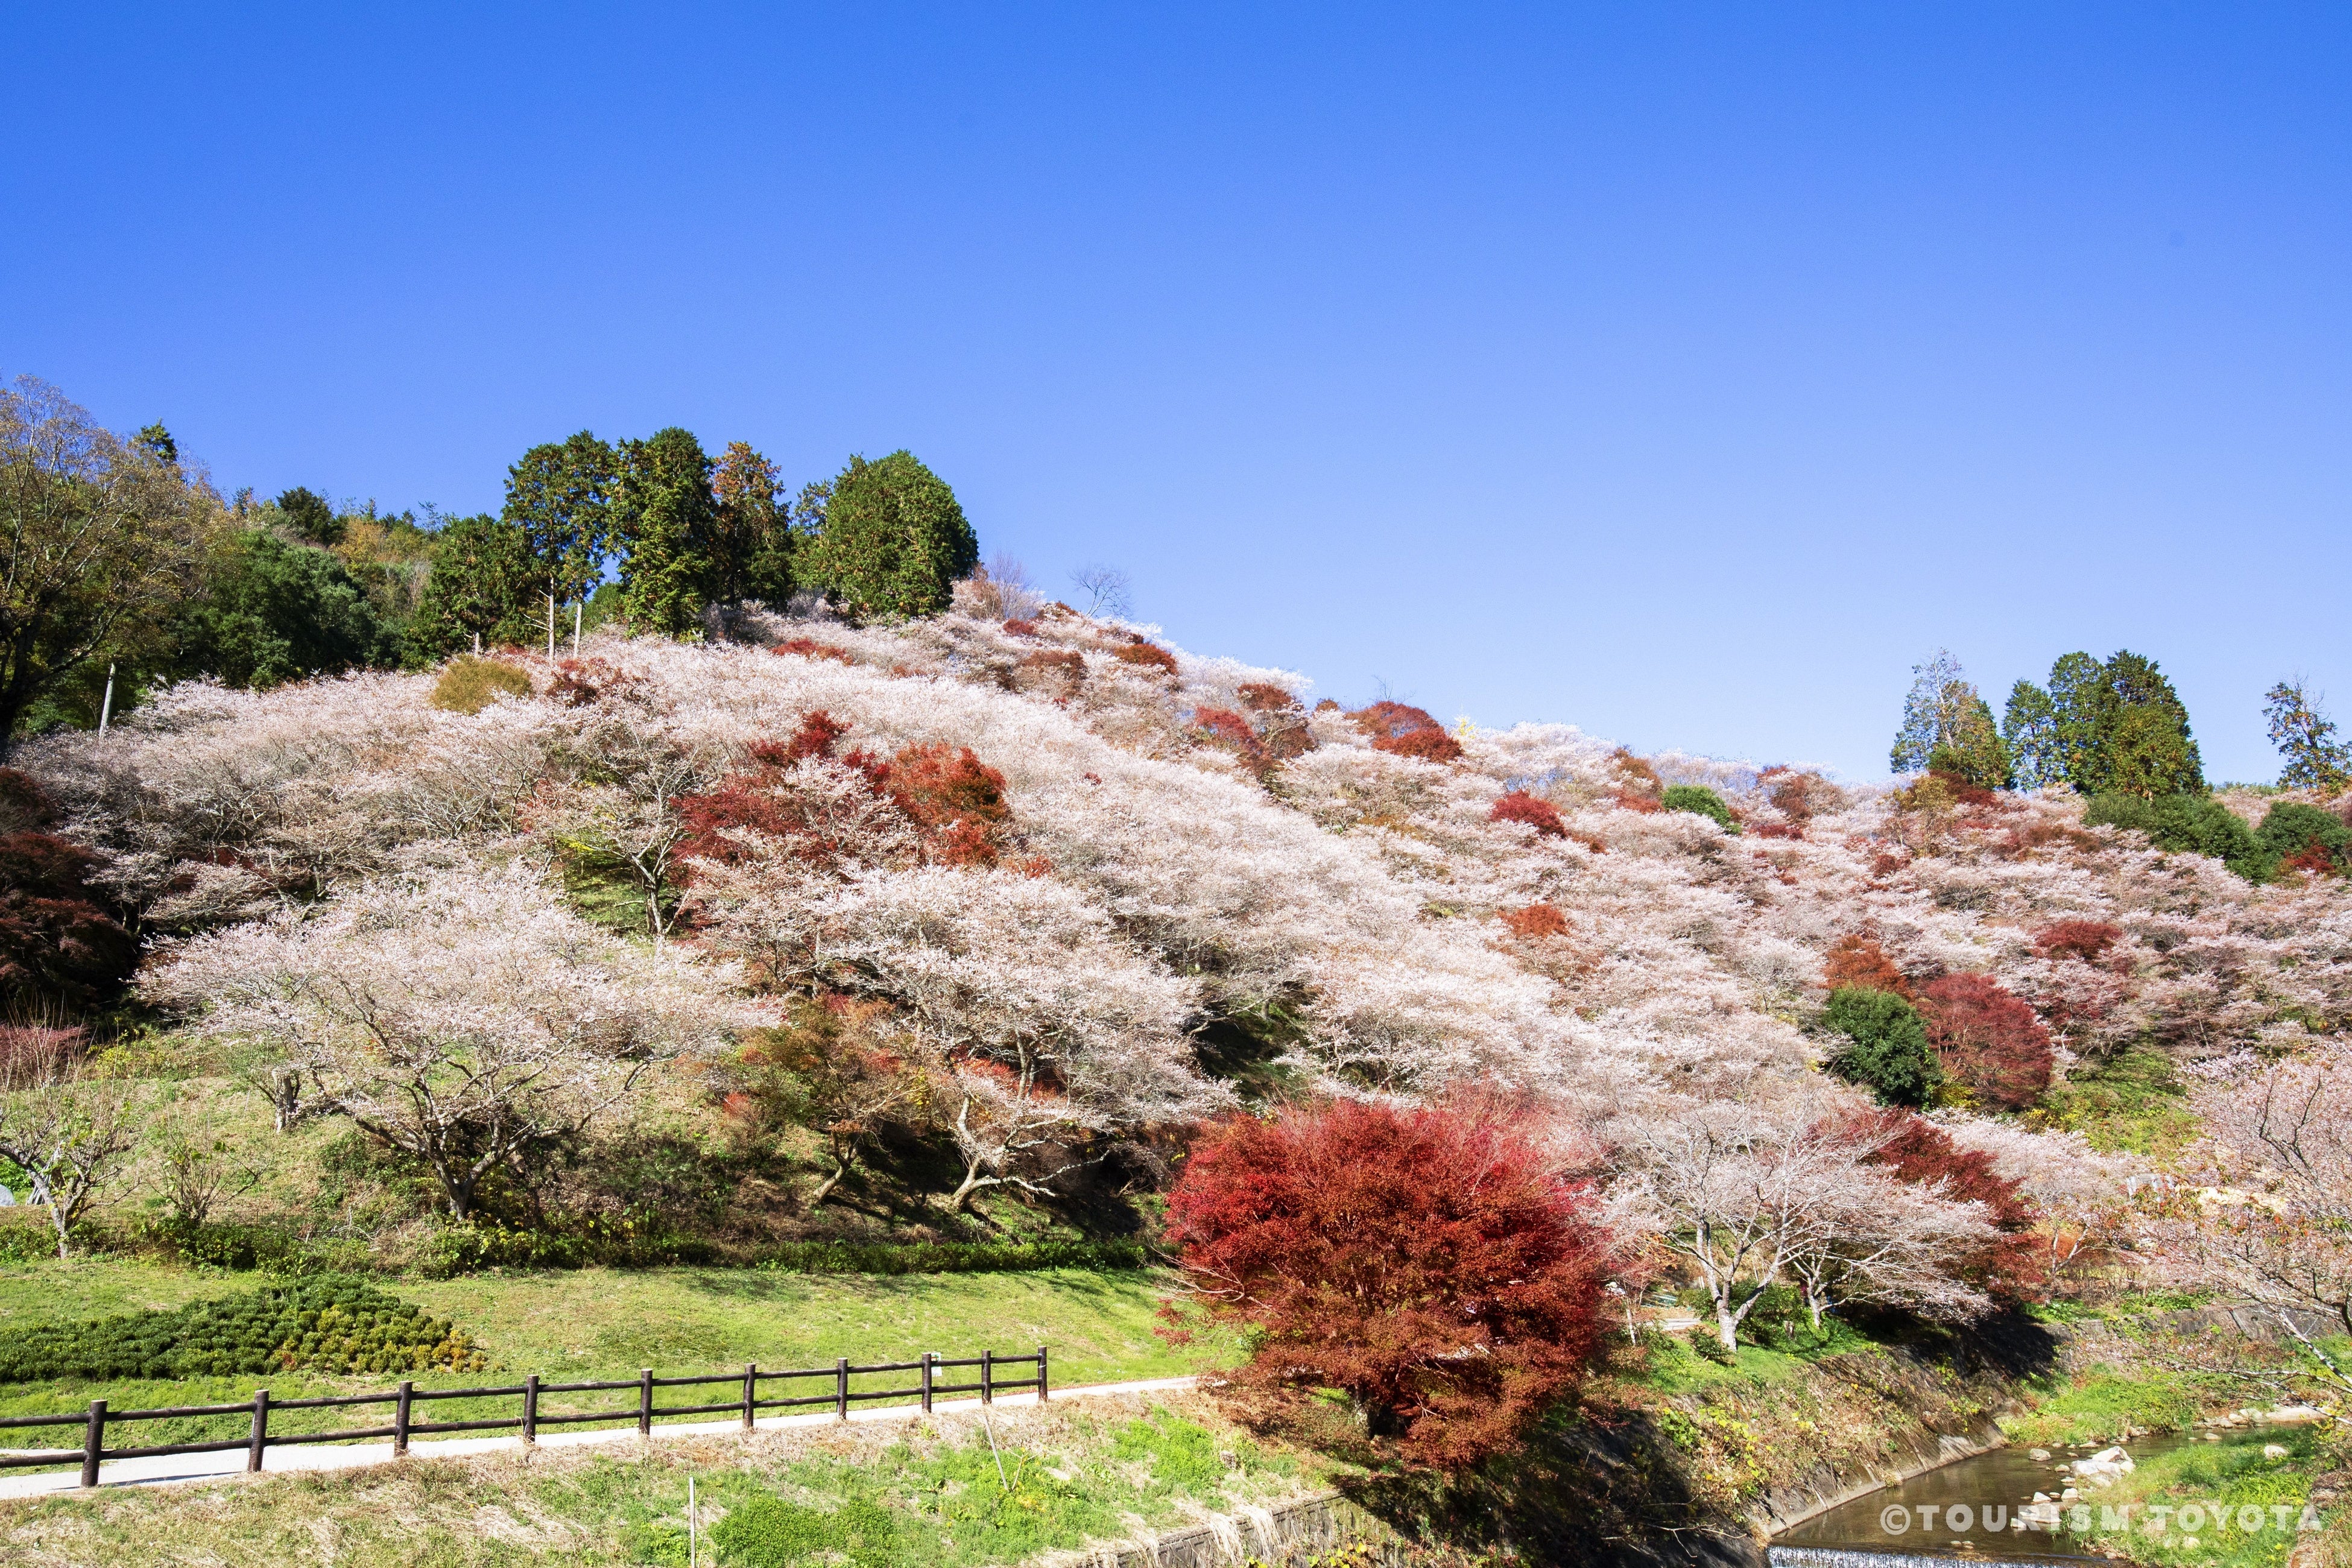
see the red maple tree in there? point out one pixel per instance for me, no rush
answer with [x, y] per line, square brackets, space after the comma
[1989, 1041]
[1858, 962]
[1429, 1262]
[1916, 1149]
[1520, 806]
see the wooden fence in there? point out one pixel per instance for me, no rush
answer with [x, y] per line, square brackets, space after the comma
[405, 1400]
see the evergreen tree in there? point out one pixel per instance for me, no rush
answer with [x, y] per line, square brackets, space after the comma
[1949, 726]
[2029, 728]
[2305, 737]
[664, 519]
[559, 495]
[2140, 743]
[1886, 1048]
[481, 586]
[752, 533]
[157, 441]
[311, 517]
[893, 541]
[273, 611]
[2076, 681]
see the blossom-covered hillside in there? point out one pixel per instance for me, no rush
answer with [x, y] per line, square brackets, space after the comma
[1044, 889]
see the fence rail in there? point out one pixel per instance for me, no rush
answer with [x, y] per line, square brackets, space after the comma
[747, 1401]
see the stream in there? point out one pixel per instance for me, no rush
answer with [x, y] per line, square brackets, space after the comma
[1913, 1523]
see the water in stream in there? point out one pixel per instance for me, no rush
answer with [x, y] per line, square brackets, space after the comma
[1914, 1522]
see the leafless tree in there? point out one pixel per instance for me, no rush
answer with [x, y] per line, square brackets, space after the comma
[1108, 593]
[65, 1127]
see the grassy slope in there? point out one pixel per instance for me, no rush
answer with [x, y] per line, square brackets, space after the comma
[600, 1323]
[1084, 1470]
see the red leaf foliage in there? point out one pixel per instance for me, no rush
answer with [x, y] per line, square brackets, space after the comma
[1918, 1151]
[1520, 806]
[809, 647]
[1263, 697]
[958, 802]
[59, 943]
[1535, 920]
[1406, 731]
[581, 681]
[2085, 940]
[1429, 1262]
[1988, 1040]
[1020, 628]
[1858, 962]
[1149, 655]
[1224, 728]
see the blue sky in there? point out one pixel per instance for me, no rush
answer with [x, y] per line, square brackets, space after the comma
[1683, 373]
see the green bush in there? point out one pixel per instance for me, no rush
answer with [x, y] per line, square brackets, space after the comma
[1700, 801]
[2289, 829]
[1886, 1047]
[216, 1245]
[2188, 824]
[469, 685]
[328, 1324]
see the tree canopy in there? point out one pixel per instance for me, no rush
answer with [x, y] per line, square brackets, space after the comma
[2116, 727]
[893, 541]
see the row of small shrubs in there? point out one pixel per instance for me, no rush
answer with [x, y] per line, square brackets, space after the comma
[952, 1256]
[2293, 836]
[328, 1324]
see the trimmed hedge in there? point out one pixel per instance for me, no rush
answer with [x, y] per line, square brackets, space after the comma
[328, 1325]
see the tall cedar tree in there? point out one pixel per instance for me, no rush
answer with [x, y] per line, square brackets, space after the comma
[1429, 1262]
[100, 540]
[2305, 738]
[1947, 726]
[893, 541]
[561, 495]
[664, 518]
[752, 533]
[312, 517]
[480, 586]
[2117, 727]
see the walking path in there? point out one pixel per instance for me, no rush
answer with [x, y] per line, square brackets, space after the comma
[353, 1456]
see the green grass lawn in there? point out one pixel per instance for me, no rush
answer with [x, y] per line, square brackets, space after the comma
[607, 1324]
[2231, 1475]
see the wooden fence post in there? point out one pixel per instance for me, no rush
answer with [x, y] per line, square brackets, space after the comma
[751, 1392]
[1041, 1374]
[645, 1403]
[530, 1409]
[926, 1381]
[260, 1439]
[93, 1442]
[987, 1376]
[841, 1389]
[400, 1418]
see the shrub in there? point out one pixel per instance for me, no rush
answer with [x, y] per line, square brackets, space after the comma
[1019, 627]
[809, 647]
[2086, 940]
[1857, 962]
[1700, 801]
[1522, 807]
[1536, 921]
[1263, 697]
[1068, 663]
[59, 945]
[1145, 655]
[1429, 1262]
[336, 1325]
[892, 541]
[1224, 727]
[2187, 824]
[958, 803]
[2306, 837]
[1406, 731]
[1987, 1041]
[468, 684]
[1887, 1048]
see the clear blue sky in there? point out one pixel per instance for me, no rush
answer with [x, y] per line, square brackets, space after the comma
[1685, 372]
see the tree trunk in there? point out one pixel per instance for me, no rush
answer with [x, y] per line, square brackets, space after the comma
[57, 1218]
[1727, 1327]
[550, 626]
[972, 1182]
[824, 1189]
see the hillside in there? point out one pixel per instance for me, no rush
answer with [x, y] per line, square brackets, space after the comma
[1054, 890]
